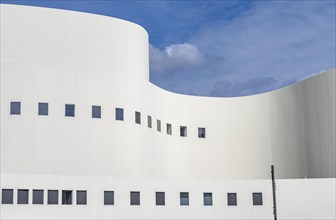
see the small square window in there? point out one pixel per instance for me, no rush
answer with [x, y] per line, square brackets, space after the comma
[108, 197]
[119, 114]
[158, 125]
[37, 196]
[232, 199]
[7, 196]
[81, 197]
[69, 110]
[183, 131]
[184, 198]
[96, 111]
[169, 129]
[22, 196]
[207, 199]
[15, 108]
[53, 197]
[135, 198]
[149, 121]
[138, 117]
[66, 197]
[257, 199]
[160, 198]
[43, 108]
[201, 132]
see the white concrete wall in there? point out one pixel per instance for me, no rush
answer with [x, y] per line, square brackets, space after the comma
[64, 57]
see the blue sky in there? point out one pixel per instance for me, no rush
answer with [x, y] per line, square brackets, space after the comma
[226, 48]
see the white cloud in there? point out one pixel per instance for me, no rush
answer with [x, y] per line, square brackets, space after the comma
[262, 49]
[175, 58]
[187, 53]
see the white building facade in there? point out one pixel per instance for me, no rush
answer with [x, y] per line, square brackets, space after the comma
[85, 135]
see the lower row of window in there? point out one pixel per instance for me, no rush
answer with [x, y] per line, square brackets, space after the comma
[81, 197]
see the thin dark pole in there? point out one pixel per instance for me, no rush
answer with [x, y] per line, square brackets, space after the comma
[274, 198]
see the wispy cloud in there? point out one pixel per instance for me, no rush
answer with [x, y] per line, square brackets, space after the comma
[264, 48]
[248, 87]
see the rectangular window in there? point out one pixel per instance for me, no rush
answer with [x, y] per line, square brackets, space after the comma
[207, 199]
[7, 196]
[135, 198]
[53, 197]
[183, 131]
[37, 196]
[22, 196]
[108, 197]
[43, 108]
[66, 197]
[138, 117]
[160, 198]
[81, 197]
[232, 199]
[69, 110]
[184, 198]
[257, 199]
[119, 114]
[96, 111]
[201, 132]
[15, 108]
[149, 120]
[169, 129]
[158, 125]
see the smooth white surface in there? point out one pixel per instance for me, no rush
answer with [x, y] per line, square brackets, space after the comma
[63, 57]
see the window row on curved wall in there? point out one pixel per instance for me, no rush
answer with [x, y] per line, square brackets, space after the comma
[69, 111]
[66, 197]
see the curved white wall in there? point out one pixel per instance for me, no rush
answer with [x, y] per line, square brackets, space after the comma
[64, 57]
[50, 38]
[95, 60]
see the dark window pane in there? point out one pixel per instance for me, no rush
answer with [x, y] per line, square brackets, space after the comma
[69, 110]
[119, 114]
[158, 125]
[207, 198]
[232, 199]
[183, 131]
[66, 197]
[37, 196]
[169, 129]
[81, 197]
[96, 111]
[201, 132]
[15, 108]
[137, 117]
[135, 198]
[184, 198]
[53, 197]
[22, 196]
[160, 198]
[257, 199]
[43, 108]
[108, 197]
[149, 120]
[7, 196]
